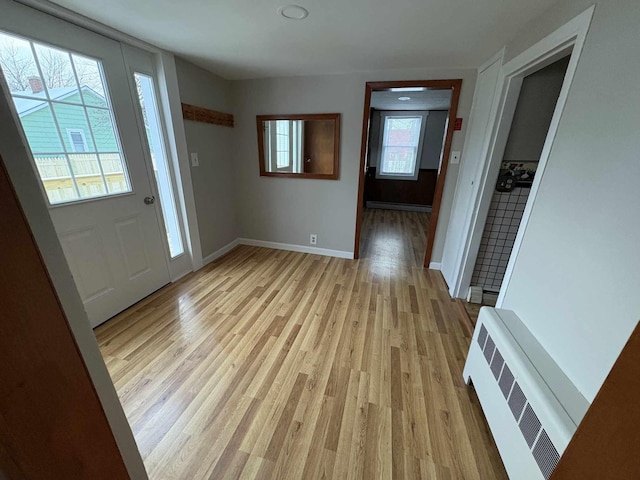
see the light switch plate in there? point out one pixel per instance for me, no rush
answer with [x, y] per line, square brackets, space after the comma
[194, 160]
[455, 158]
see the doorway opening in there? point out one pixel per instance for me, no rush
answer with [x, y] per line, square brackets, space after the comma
[527, 135]
[406, 143]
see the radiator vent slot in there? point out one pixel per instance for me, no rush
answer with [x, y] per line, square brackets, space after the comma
[517, 401]
[489, 348]
[506, 381]
[546, 455]
[482, 337]
[530, 425]
[496, 364]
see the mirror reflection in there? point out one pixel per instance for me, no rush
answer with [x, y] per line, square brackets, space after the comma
[299, 145]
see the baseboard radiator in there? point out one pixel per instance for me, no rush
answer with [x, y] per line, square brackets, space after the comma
[531, 406]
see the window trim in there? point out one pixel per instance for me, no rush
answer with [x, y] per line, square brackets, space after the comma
[384, 114]
[71, 131]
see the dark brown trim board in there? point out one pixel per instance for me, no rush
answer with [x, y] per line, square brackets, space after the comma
[206, 115]
[605, 446]
[52, 424]
[453, 85]
[310, 116]
[418, 192]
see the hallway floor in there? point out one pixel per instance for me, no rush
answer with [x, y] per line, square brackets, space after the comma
[277, 364]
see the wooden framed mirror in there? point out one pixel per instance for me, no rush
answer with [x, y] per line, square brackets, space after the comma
[299, 146]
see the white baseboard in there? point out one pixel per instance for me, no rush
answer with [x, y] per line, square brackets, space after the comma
[407, 207]
[435, 266]
[220, 252]
[180, 275]
[296, 248]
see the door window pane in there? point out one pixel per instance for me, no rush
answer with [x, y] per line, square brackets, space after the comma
[56, 177]
[71, 118]
[64, 110]
[86, 171]
[153, 129]
[116, 179]
[57, 74]
[88, 72]
[19, 67]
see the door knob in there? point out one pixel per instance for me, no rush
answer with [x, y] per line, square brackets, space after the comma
[149, 200]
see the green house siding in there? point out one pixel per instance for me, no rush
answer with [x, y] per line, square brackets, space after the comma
[41, 132]
[43, 136]
[102, 129]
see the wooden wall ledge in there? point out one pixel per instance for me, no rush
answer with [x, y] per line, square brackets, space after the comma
[200, 114]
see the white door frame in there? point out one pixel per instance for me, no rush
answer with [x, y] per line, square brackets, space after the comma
[143, 61]
[179, 152]
[567, 39]
[470, 176]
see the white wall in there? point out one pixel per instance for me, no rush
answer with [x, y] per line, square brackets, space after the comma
[213, 180]
[288, 210]
[536, 104]
[575, 282]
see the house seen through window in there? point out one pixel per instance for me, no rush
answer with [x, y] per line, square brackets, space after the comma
[64, 109]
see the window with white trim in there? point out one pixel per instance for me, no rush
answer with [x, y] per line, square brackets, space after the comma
[401, 145]
[77, 139]
[151, 117]
[64, 109]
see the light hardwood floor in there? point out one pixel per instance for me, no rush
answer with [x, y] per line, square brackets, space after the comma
[275, 364]
[473, 310]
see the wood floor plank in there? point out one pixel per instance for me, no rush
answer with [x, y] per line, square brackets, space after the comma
[281, 365]
[344, 444]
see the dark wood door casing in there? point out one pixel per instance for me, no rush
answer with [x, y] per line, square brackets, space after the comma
[52, 424]
[455, 86]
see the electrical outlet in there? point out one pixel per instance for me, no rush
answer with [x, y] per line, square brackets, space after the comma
[313, 239]
[455, 158]
[194, 160]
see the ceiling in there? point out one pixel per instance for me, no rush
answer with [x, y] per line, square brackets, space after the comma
[240, 39]
[425, 100]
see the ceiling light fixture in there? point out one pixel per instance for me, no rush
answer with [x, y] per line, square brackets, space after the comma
[293, 12]
[404, 99]
[408, 89]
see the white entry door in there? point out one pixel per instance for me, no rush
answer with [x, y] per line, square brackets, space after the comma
[76, 105]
